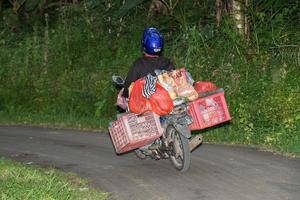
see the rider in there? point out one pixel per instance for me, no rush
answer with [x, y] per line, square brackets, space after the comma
[152, 47]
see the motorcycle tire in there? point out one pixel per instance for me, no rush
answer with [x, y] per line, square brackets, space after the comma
[180, 145]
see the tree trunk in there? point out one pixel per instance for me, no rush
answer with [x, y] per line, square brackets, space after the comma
[121, 22]
[109, 20]
[241, 18]
[218, 12]
[247, 22]
[238, 16]
[1, 2]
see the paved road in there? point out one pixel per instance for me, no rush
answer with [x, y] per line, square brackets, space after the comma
[217, 172]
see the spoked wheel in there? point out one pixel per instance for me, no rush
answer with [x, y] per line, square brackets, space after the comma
[181, 155]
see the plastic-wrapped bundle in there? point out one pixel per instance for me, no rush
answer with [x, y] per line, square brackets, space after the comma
[167, 83]
[137, 102]
[159, 102]
[183, 84]
[178, 83]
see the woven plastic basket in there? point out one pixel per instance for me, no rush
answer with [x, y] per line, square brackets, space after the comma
[209, 111]
[132, 131]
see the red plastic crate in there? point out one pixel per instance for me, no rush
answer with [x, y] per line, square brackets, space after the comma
[209, 111]
[132, 131]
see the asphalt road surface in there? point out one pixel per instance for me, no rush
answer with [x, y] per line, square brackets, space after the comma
[217, 172]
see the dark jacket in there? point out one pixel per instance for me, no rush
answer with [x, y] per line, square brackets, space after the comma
[144, 66]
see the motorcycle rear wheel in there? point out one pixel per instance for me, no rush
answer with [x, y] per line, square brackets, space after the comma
[181, 155]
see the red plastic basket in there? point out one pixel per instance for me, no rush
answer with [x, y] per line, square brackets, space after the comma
[132, 131]
[209, 111]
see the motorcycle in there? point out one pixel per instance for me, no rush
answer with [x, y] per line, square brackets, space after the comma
[176, 142]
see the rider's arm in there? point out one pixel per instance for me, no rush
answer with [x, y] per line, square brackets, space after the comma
[132, 76]
[170, 66]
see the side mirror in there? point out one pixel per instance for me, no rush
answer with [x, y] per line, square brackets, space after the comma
[118, 80]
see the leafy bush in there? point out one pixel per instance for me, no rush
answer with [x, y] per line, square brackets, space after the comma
[60, 72]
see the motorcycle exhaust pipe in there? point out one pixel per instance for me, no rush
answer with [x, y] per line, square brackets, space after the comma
[195, 141]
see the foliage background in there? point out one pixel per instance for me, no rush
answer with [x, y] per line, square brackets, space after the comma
[56, 62]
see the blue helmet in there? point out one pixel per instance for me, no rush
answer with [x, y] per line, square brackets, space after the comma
[152, 41]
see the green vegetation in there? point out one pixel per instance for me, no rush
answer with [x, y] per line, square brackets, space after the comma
[18, 181]
[55, 67]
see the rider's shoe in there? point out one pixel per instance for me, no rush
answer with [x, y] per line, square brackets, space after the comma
[149, 150]
[140, 154]
[155, 145]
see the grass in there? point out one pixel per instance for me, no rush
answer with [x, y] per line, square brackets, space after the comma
[54, 121]
[18, 181]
